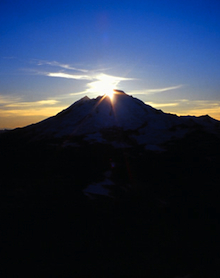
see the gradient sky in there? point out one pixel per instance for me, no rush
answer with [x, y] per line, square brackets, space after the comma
[52, 53]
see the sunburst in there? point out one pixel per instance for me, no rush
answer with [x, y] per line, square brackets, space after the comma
[105, 85]
[110, 94]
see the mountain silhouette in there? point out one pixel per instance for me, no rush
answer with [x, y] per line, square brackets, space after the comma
[111, 188]
[122, 121]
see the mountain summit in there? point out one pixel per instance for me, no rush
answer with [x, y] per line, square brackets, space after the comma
[120, 121]
[91, 190]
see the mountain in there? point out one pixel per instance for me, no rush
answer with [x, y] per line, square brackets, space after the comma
[111, 188]
[122, 122]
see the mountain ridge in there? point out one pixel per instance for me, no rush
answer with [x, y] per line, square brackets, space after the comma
[92, 119]
[111, 202]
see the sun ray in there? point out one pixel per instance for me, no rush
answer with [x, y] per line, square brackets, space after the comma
[104, 85]
[110, 94]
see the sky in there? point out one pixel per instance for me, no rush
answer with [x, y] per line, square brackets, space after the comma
[52, 53]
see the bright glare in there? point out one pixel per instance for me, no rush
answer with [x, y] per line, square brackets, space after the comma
[110, 94]
[104, 85]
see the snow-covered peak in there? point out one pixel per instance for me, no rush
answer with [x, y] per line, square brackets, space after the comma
[142, 123]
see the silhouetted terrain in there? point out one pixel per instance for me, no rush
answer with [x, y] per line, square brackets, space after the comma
[160, 218]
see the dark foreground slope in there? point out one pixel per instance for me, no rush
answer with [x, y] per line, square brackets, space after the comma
[162, 221]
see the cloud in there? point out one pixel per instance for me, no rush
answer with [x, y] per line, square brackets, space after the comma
[154, 91]
[32, 103]
[161, 105]
[32, 111]
[14, 112]
[93, 81]
[190, 107]
[57, 64]
[102, 82]
[97, 82]
[69, 72]
[98, 77]
[69, 76]
[102, 76]
[4, 100]
[200, 107]
[74, 94]
[13, 103]
[199, 104]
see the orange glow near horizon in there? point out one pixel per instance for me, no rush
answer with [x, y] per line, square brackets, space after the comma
[15, 113]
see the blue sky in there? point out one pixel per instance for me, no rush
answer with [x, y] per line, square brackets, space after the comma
[54, 52]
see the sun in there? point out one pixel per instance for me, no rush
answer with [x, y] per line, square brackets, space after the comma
[110, 94]
[105, 84]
